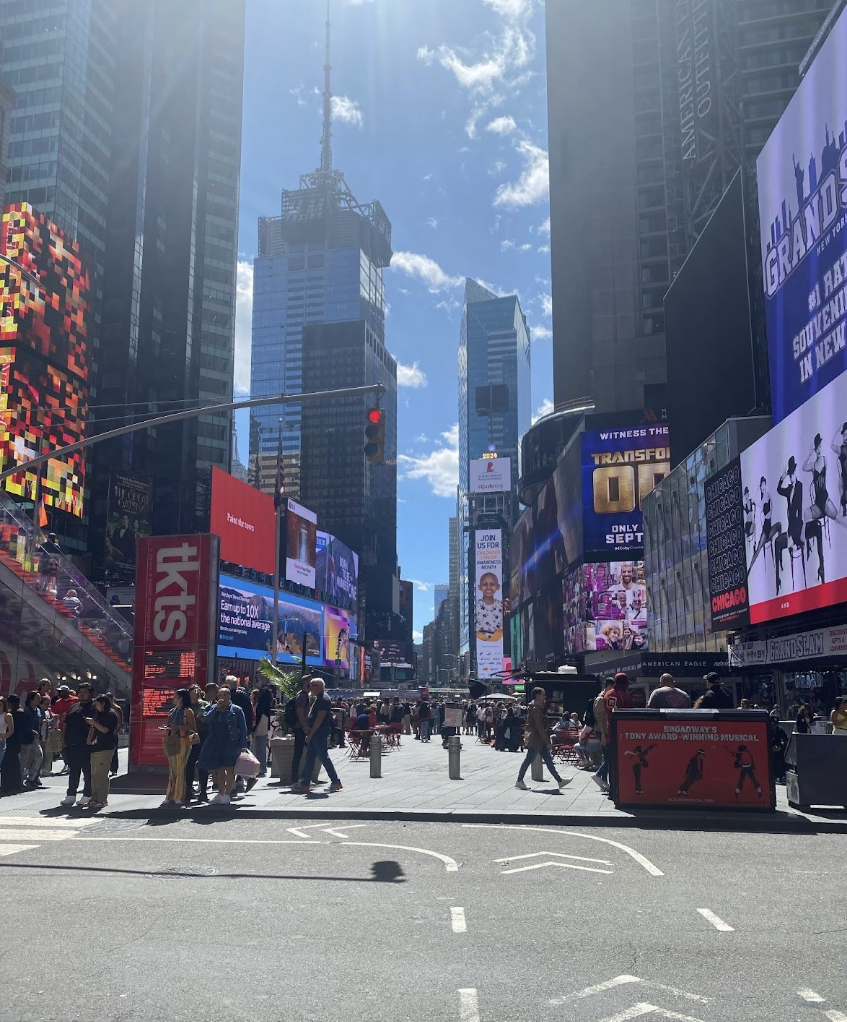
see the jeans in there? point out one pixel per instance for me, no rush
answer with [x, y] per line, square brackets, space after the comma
[296, 755]
[260, 751]
[190, 764]
[424, 729]
[31, 756]
[545, 755]
[316, 749]
[78, 760]
[603, 769]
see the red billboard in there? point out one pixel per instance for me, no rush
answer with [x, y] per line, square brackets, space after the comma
[693, 759]
[244, 518]
[175, 624]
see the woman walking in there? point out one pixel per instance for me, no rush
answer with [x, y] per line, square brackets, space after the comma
[537, 740]
[226, 739]
[839, 717]
[198, 707]
[259, 740]
[104, 724]
[181, 724]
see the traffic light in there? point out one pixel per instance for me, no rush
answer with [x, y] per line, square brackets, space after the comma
[375, 435]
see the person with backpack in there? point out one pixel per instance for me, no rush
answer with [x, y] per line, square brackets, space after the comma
[77, 751]
[296, 720]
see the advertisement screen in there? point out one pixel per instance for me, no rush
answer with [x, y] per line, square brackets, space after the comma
[245, 630]
[244, 518]
[391, 653]
[337, 569]
[725, 539]
[337, 635]
[488, 608]
[802, 180]
[491, 475]
[605, 607]
[795, 507]
[43, 356]
[619, 468]
[127, 523]
[301, 528]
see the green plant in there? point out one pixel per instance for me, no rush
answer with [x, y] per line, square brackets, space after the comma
[287, 680]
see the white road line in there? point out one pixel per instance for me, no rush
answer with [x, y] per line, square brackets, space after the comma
[811, 996]
[196, 840]
[14, 849]
[679, 993]
[468, 1005]
[533, 855]
[347, 826]
[458, 921]
[835, 1016]
[637, 1010]
[27, 834]
[449, 864]
[561, 865]
[716, 921]
[48, 822]
[598, 988]
[639, 858]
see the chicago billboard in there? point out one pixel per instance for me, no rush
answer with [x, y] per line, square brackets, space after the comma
[605, 607]
[795, 506]
[301, 528]
[725, 542]
[245, 520]
[802, 180]
[489, 605]
[490, 475]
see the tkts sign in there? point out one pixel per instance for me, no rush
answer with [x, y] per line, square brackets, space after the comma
[176, 596]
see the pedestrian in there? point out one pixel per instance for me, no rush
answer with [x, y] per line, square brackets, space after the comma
[470, 718]
[667, 696]
[779, 743]
[424, 719]
[10, 765]
[301, 707]
[537, 740]
[49, 735]
[31, 753]
[119, 713]
[181, 724]
[241, 699]
[839, 717]
[745, 704]
[716, 696]
[104, 724]
[226, 740]
[317, 736]
[76, 750]
[7, 727]
[261, 730]
[407, 718]
[617, 697]
[199, 706]
[601, 777]
[803, 724]
[64, 701]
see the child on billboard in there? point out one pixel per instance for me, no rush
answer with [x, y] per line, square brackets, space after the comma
[489, 610]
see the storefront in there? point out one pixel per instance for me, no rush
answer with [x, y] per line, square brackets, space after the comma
[645, 669]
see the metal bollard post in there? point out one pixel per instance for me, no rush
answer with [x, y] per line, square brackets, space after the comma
[537, 769]
[454, 757]
[376, 756]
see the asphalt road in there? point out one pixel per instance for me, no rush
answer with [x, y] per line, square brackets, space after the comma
[262, 920]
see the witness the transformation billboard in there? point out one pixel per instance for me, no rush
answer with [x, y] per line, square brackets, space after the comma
[726, 537]
[337, 569]
[795, 507]
[491, 475]
[620, 466]
[245, 520]
[301, 528]
[605, 607]
[128, 521]
[802, 179]
[488, 608]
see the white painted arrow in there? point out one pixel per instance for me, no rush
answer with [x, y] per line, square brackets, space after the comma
[328, 828]
[638, 1010]
[553, 862]
[618, 981]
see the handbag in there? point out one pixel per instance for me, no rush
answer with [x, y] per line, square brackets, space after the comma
[193, 738]
[246, 765]
[171, 744]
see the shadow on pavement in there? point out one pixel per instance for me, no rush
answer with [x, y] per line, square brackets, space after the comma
[383, 872]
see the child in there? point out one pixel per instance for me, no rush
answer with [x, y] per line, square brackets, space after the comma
[489, 610]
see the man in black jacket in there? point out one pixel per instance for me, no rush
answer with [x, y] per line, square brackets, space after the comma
[716, 696]
[77, 751]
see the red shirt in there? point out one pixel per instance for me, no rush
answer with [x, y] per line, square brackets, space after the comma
[616, 699]
[61, 707]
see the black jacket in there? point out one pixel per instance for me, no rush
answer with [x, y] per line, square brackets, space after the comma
[240, 698]
[76, 730]
[717, 698]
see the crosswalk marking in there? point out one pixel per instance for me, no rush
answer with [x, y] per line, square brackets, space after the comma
[14, 849]
[16, 832]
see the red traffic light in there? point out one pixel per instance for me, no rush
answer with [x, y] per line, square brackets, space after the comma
[374, 415]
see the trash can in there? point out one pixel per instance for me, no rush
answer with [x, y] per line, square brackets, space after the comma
[817, 771]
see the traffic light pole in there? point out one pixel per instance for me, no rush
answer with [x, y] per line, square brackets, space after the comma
[191, 413]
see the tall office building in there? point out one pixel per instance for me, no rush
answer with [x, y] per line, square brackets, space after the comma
[652, 105]
[320, 261]
[7, 98]
[126, 133]
[440, 594]
[494, 412]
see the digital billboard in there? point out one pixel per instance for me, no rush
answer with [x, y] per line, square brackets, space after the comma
[795, 508]
[488, 606]
[128, 522]
[392, 653]
[725, 542]
[301, 529]
[620, 466]
[605, 607]
[337, 635]
[44, 320]
[245, 519]
[802, 181]
[245, 628]
[336, 569]
[490, 475]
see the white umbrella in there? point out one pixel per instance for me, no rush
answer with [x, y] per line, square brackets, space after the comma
[511, 699]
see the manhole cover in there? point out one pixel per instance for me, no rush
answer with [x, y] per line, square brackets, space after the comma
[176, 872]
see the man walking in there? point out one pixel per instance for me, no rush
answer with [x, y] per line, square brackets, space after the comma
[668, 696]
[301, 707]
[617, 698]
[537, 740]
[318, 726]
[716, 696]
[77, 751]
[601, 776]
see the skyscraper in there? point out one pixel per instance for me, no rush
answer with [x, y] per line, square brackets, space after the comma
[320, 261]
[7, 97]
[652, 104]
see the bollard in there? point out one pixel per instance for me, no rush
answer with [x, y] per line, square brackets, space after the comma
[537, 769]
[376, 756]
[454, 757]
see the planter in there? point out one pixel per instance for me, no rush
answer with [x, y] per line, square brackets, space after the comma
[282, 750]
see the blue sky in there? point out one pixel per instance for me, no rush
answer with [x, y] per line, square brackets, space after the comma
[440, 113]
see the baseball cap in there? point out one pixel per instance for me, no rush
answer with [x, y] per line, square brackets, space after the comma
[621, 678]
[712, 678]
[63, 688]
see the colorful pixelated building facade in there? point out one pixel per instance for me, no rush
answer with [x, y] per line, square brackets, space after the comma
[43, 356]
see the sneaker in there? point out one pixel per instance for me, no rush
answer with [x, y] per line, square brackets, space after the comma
[336, 786]
[564, 781]
[166, 802]
[68, 800]
[601, 784]
[83, 802]
[96, 805]
[251, 783]
[216, 801]
[224, 800]
[521, 785]
[301, 789]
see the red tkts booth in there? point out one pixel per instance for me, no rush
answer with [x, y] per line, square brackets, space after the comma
[692, 759]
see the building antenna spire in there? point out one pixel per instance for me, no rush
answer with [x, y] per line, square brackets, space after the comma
[326, 137]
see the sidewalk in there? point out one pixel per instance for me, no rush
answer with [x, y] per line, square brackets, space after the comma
[415, 786]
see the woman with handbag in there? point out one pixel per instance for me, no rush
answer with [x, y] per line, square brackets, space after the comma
[103, 739]
[198, 707]
[181, 723]
[226, 739]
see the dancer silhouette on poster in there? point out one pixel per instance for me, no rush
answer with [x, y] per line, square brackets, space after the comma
[746, 767]
[693, 772]
[639, 764]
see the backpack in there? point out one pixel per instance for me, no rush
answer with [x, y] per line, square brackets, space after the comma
[290, 714]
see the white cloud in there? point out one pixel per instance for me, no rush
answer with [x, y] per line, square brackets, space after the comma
[544, 248]
[514, 9]
[545, 227]
[547, 305]
[347, 111]
[506, 244]
[504, 125]
[415, 265]
[439, 467]
[417, 636]
[544, 408]
[422, 587]
[541, 333]
[534, 183]
[243, 325]
[497, 168]
[411, 376]
[432, 222]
